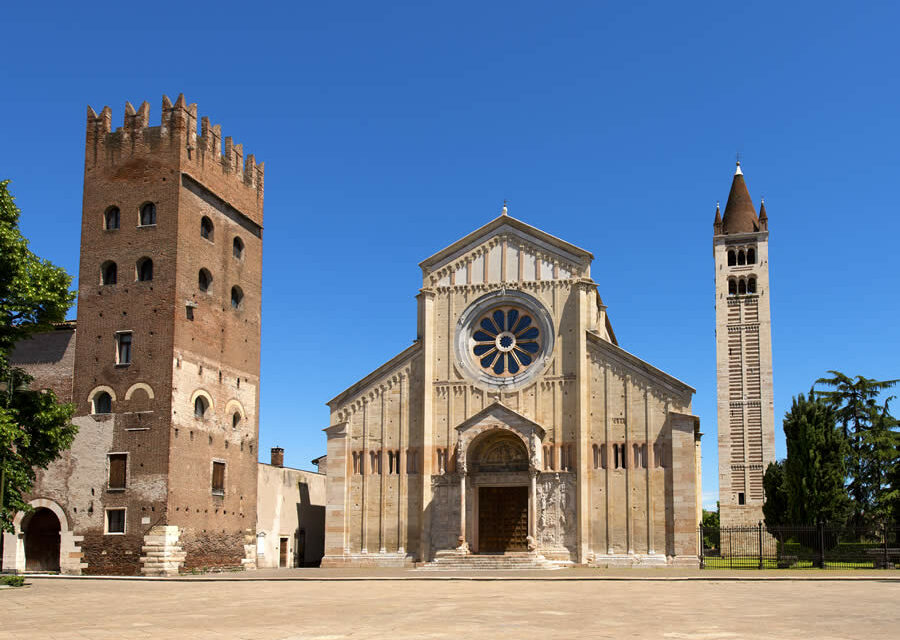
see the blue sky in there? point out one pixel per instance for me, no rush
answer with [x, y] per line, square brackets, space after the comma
[389, 130]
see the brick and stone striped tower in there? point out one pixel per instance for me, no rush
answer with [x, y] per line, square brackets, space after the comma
[746, 420]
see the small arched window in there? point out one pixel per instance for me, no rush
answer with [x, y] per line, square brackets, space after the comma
[145, 270]
[732, 287]
[742, 287]
[235, 420]
[148, 214]
[108, 272]
[201, 404]
[237, 248]
[206, 228]
[237, 297]
[111, 219]
[102, 403]
[741, 258]
[732, 260]
[204, 280]
[751, 256]
[751, 285]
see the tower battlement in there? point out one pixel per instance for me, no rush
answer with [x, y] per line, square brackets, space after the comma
[206, 157]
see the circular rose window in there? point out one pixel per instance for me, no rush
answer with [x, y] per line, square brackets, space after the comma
[506, 341]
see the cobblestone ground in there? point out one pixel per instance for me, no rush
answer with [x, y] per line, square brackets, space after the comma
[259, 608]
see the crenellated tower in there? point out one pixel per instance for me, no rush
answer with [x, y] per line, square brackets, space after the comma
[746, 419]
[167, 356]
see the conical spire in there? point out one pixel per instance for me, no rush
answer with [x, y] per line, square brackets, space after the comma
[763, 218]
[740, 214]
[717, 222]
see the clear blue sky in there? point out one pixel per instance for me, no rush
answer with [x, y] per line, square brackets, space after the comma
[389, 130]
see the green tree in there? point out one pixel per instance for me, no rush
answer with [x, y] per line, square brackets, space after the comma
[34, 427]
[870, 432]
[815, 467]
[711, 528]
[776, 508]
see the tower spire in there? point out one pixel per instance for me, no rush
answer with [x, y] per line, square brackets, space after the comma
[503, 211]
[740, 214]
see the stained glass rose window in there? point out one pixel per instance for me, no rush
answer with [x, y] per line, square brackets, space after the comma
[506, 341]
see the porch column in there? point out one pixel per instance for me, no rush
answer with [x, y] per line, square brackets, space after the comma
[532, 521]
[463, 545]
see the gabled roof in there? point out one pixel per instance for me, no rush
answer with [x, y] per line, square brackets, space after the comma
[383, 370]
[740, 215]
[560, 245]
[502, 409]
[638, 365]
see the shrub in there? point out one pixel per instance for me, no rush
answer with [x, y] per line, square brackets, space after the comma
[12, 581]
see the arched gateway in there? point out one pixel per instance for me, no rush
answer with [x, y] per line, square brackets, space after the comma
[42, 541]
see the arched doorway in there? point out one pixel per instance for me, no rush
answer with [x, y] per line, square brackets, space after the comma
[41, 529]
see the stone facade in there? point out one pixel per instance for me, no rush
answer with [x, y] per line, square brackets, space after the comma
[745, 399]
[593, 452]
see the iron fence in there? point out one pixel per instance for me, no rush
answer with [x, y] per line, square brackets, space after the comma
[819, 546]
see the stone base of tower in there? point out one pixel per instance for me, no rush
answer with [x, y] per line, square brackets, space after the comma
[162, 555]
[748, 515]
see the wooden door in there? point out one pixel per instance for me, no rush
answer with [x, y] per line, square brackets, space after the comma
[283, 552]
[502, 519]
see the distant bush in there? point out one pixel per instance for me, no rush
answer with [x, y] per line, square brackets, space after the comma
[12, 581]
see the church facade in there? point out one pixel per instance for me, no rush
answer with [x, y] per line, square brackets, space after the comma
[514, 423]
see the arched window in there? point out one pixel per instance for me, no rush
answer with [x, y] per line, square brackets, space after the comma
[204, 280]
[145, 270]
[102, 403]
[111, 220]
[235, 420]
[148, 214]
[206, 228]
[732, 287]
[237, 248]
[751, 256]
[108, 272]
[201, 404]
[741, 258]
[742, 287]
[237, 297]
[732, 260]
[751, 285]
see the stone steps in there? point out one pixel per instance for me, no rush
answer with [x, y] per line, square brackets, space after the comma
[456, 561]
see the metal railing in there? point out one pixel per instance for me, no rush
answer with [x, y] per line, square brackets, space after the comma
[818, 546]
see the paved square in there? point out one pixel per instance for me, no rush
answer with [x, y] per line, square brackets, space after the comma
[247, 607]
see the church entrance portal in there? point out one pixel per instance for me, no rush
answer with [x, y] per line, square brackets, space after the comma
[42, 541]
[502, 519]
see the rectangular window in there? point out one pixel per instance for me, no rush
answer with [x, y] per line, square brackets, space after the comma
[123, 347]
[115, 521]
[118, 463]
[741, 499]
[218, 478]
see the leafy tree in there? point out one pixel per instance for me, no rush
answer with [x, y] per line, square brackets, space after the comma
[869, 430]
[34, 427]
[815, 467]
[776, 508]
[711, 528]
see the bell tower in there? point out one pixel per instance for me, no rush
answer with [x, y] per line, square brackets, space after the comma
[746, 415]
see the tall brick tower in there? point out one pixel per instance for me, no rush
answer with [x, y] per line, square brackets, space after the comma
[167, 356]
[746, 420]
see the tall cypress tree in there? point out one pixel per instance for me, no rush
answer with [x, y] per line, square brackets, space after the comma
[815, 467]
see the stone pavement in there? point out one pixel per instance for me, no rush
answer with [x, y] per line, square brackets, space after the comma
[314, 604]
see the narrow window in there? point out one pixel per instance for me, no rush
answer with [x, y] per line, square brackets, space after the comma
[235, 420]
[145, 270]
[206, 228]
[411, 461]
[741, 499]
[742, 287]
[732, 288]
[102, 403]
[204, 280]
[148, 214]
[751, 256]
[109, 272]
[237, 248]
[731, 259]
[644, 456]
[111, 220]
[604, 454]
[201, 405]
[115, 521]
[123, 347]
[741, 258]
[355, 463]
[218, 478]
[237, 297]
[118, 463]
[751, 285]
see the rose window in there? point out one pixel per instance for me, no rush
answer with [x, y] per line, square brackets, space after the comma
[506, 341]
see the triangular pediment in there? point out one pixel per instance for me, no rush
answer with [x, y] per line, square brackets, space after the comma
[506, 249]
[498, 414]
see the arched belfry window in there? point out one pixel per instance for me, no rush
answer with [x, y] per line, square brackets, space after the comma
[742, 259]
[102, 403]
[111, 219]
[148, 214]
[108, 273]
[201, 405]
[237, 248]
[206, 228]
[751, 285]
[237, 297]
[751, 256]
[204, 280]
[732, 259]
[732, 287]
[742, 287]
[144, 270]
[235, 420]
